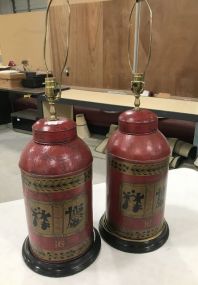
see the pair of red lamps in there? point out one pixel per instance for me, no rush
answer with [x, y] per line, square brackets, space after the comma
[56, 168]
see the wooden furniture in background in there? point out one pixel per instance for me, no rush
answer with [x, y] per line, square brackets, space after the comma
[23, 118]
[108, 101]
[178, 108]
[86, 43]
[11, 79]
[98, 45]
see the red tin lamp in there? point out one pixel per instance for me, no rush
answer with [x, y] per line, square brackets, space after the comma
[56, 169]
[137, 168]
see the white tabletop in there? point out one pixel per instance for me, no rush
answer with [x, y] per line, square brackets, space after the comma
[174, 263]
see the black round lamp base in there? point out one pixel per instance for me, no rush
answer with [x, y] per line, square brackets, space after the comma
[62, 269]
[132, 246]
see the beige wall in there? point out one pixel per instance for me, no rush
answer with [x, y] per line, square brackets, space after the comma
[22, 36]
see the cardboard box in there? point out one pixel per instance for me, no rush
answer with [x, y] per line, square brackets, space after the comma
[10, 79]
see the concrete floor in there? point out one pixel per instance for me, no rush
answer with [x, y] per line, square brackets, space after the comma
[11, 145]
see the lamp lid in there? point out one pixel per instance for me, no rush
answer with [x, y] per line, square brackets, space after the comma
[54, 132]
[138, 122]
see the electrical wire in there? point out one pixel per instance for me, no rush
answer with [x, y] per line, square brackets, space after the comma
[150, 38]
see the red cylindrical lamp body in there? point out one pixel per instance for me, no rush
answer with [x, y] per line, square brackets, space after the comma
[56, 168]
[137, 168]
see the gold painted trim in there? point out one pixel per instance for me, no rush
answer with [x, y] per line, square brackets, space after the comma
[112, 231]
[62, 255]
[52, 185]
[137, 169]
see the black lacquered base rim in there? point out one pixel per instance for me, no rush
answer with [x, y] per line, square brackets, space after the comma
[62, 269]
[143, 246]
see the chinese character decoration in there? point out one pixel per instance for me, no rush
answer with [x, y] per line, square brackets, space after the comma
[40, 218]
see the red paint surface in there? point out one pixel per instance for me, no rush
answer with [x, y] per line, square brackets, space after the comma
[136, 141]
[54, 152]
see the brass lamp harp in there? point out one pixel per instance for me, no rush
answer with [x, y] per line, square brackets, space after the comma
[52, 88]
[137, 83]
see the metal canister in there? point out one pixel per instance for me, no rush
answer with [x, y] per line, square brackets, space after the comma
[56, 169]
[137, 168]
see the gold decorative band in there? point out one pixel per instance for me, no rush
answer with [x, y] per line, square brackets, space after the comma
[50, 185]
[135, 169]
[62, 255]
[136, 236]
